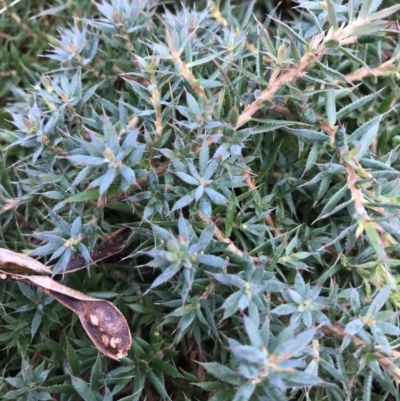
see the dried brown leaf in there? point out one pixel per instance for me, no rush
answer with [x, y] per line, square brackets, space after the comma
[103, 322]
[16, 263]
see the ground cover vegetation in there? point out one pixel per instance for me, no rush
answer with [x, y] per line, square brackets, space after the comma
[199, 200]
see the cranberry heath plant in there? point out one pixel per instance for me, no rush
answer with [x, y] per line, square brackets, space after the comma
[251, 152]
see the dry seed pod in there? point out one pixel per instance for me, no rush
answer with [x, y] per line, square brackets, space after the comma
[16, 263]
[103, 322]
[112, 245]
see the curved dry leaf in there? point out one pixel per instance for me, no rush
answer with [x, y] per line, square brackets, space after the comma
[47, 283]
[103, 322]
[17, 263]
[112, 245]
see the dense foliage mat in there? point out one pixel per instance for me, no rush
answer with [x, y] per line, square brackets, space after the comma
[223, 182]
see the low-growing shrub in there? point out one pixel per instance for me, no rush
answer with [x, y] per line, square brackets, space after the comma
[229, 181]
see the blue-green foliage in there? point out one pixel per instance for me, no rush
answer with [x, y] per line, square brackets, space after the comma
[260, 185]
